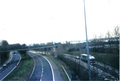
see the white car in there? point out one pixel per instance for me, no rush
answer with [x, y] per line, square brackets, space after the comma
[77, 57]
[4, 65]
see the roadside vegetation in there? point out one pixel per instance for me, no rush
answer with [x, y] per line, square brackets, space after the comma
[22, 71]
[78, 70]
[108, 59]
[59, 66]
[4, 57]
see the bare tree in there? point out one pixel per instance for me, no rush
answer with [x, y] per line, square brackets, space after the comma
[108, 35]
[101, 43]
[116, 41]
[116, 31]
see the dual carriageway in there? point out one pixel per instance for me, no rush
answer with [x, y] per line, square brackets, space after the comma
[45, 69]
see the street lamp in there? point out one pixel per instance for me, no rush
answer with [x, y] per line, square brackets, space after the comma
[87, 43]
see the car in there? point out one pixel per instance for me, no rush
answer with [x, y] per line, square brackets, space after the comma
[4, 65]
[77, 57]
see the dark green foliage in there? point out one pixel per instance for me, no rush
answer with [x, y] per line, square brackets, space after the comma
[3, 43]
[73, 49]
[4, 57]
[78, 69]
[108, 59]
[22, 71]
[23, 52]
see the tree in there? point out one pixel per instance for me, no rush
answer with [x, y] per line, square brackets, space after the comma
[116, 31]
[3, 43]
[23, 45]
[116, 41]
[108, 35]
[101, 44]
[60, 49]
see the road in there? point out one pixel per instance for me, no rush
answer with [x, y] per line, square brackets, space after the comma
[44, 69]
[97, 68]
[10, 66]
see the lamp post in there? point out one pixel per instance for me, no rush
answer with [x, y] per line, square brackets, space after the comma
[87, 43]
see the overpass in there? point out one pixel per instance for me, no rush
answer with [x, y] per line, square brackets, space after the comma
[42, 48]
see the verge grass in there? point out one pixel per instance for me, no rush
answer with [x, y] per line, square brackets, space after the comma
[57, 62]
[108, 59]
[22, 71]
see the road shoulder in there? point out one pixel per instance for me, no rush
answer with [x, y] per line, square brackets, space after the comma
[57, 73]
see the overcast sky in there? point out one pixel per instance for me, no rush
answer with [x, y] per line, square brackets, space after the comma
[41, 21]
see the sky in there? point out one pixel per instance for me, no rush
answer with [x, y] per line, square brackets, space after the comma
[41, 21]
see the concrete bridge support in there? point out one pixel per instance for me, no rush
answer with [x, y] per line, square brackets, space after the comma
[45, 50]
[42, 50]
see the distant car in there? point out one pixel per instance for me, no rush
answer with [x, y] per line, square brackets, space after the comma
[77, 57]
[4, 65]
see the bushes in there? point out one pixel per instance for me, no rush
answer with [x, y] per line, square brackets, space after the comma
[77, 68]
[22, 51]
[4, 57]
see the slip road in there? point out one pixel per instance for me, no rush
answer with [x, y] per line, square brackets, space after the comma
[42, 70]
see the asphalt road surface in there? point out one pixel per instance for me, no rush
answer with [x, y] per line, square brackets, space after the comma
[44, 69]
[41, 67]
[97, 68]
[4, 71]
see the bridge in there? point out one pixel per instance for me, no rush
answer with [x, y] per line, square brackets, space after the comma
[44, 48]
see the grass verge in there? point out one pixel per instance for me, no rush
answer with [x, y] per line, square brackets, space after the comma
[22, 71]
[59, 66]
[108, 59]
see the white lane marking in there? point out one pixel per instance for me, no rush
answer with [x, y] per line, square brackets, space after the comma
[1, 68]
[33, 67]
[12, 69]
[51, 67]
[42, 68]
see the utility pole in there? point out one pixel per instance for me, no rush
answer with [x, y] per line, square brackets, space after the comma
[87, 43]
